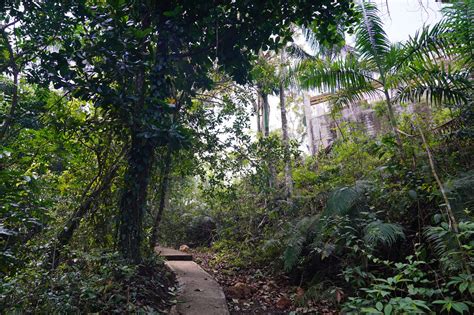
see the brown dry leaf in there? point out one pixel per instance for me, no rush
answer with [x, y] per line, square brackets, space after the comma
[299, 293]
[339, 295]
[283, 303]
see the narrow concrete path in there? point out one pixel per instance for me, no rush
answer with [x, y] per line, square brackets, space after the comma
[199, 293]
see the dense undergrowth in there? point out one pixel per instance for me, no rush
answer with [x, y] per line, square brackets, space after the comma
[51, 166]
[376, 236]
[362, 223]
[90, 283]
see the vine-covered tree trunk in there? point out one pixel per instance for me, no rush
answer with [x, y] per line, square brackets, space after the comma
[133, 199]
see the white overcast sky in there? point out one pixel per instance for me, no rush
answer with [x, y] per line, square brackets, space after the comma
[407, 16]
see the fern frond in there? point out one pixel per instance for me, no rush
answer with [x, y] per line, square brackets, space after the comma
[447, 245]
[299, 234]
[293, 252]
[437, 235]
[344, 200]
[381, 233]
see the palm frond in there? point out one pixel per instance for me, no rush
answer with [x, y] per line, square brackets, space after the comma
[321, 48]
[459, 19]
[428, 42]
[297, 53]
[436, 82]
[392, 57]
[370, 37]
[345, 97]
[310, 39]
[381, 233]
[452, 38]
[333, 75]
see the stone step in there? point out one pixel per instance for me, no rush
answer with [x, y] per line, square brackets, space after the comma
[173, 254]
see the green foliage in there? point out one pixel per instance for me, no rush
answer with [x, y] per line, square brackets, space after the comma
[148, 91]
[298, 236]
[410, 290]
[461, 190]
[89, 282]
[378, 232]
[41, 168]
[458, 19]
[454, 250]
[346, 200]
[265, 76]
[338, 232]
[371, 40]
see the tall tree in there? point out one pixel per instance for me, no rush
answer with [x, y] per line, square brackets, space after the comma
[264, 75]
[284, 126]
[128, 56]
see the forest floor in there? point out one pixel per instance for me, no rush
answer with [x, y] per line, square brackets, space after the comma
[252, 290]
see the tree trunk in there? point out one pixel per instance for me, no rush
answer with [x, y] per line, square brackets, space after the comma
[164, 184]
[284, 129]
[266, 115]
[309, 127]
[137, 175]
[453, 224]
[66, 234]
[266, 134]
[258, 106]
[393, 122]
[133, 199]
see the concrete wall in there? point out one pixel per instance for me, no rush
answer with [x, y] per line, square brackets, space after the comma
[322, 129]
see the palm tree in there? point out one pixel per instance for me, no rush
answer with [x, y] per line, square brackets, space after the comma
[392, 71]
[266, 80]
[306, 48]
[284, 126]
